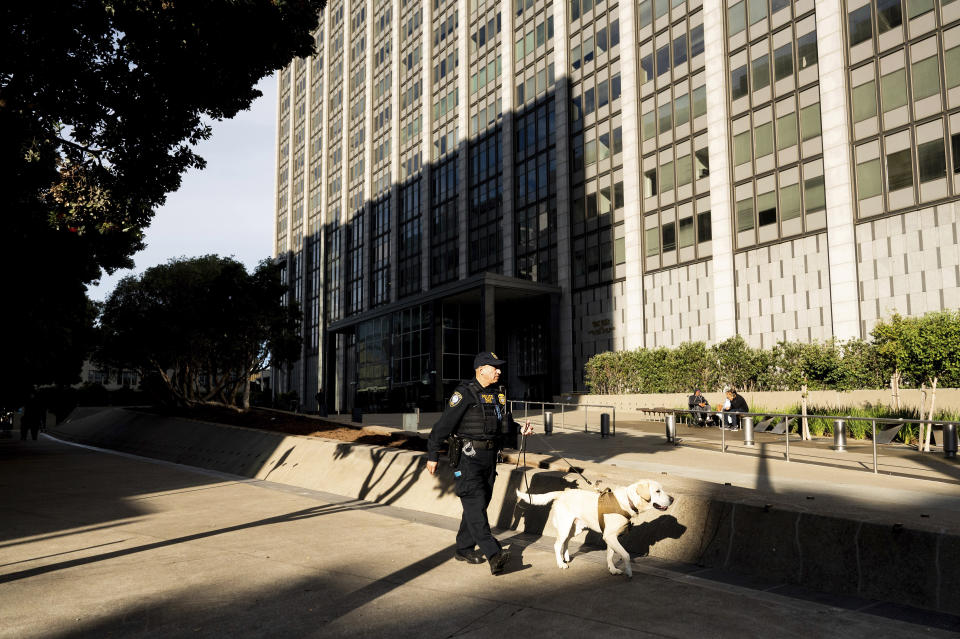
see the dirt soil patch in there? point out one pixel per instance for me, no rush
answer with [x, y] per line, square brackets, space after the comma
[298, 425]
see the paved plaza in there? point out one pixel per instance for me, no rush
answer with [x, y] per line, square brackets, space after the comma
[99, 544]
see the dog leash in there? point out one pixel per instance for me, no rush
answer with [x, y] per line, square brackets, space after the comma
[523, 452]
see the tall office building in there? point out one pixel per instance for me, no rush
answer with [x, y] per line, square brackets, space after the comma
[550, 180]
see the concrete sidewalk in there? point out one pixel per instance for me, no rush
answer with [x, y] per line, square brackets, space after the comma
[98, 544]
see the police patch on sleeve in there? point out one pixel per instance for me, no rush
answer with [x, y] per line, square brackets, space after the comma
[502, 398]
[455, 398]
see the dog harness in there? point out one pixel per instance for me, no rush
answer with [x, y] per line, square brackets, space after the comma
[608, 505]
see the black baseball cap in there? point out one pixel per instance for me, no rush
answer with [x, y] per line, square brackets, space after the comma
[486, 357]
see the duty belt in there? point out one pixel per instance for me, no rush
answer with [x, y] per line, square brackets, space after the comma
[483, 444]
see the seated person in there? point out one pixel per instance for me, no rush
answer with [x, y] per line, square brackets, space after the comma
[699, 408]
[734, 405]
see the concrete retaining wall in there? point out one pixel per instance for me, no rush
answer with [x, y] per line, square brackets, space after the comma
[948, 399]
[710, 525]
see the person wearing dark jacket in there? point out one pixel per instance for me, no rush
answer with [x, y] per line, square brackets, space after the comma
[699, 407]
[476, 415]
[737, 405]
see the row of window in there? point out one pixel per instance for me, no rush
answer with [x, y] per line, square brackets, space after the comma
[538, 81]
[487, 73]
[486, 33]
[671, 54]
[753, 73]
[606, 38]
[536, 37]
[446, 64]
[596, 93]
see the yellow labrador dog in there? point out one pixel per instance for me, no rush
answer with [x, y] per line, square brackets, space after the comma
[608, 513]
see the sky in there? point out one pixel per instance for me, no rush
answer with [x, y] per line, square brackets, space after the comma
[227, 208]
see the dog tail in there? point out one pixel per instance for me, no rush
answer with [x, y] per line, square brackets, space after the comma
[539, 500]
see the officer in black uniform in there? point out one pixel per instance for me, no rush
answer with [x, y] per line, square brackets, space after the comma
[477, 414]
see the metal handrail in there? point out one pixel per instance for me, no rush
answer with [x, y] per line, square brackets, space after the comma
[790, 416]
[586, 407]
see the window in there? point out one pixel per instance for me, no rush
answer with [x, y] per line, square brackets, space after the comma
[738, 82]
[776, 5]
[807, 50]
[661, 7]
[763, 139]
[700, 101]
[696, 41]
[741, 148]
[680, 50]
[814, 197]
[702, 157]
[685, 232]
[650, 183]
[682, 109]
[868, 179]
[918, 7]
[761, 72]
[955, 147]
[951, 67]
[810, 121]
[758, 10]
[663, 59]
[684, 170]
[786, 131]
[767, 209]
[783, 62]
[889, 15]
[646, 68]
[649, 125]
[860, 27]
[669, 236]
[745, 215]
[665, 117]
[704, 230]
[646, 15]
[789, 202]
[931, 161]
[652, 242]
[864, 101]
[926, 78]
[736, 18]
[666, 177]
[899, 171]
[893, 90]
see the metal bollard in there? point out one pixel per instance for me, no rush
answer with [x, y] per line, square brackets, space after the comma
[840, 435]
[950, 441]
[548, 423]
[671, 422]
[746, 422]
[604, 424]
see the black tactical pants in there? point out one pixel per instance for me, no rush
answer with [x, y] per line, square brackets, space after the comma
[475, 488]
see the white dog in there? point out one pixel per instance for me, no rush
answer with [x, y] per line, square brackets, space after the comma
[608, 513]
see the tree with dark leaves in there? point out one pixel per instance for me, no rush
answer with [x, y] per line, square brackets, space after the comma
[204, 325]
[101, 103]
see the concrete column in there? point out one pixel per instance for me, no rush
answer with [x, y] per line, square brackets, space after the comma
[718, 137]
[633, 203]
[837, 172]
[488, 308]
[426, 64]
[507, 151]
[395, 22]
[345, 212]
[463, 135]
[320, 231]
[368, 141]
[561, 97]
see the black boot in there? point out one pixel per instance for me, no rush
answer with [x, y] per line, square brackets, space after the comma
[498, 561]
[472, 556]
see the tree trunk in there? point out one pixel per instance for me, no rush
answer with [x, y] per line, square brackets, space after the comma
[933, 401]
[246, 392]
[803, 411]
[923, 410]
